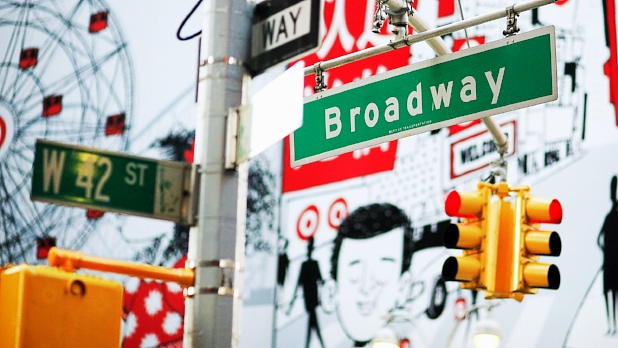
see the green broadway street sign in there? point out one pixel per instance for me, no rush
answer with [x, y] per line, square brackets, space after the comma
[504, 75]
[102, 180]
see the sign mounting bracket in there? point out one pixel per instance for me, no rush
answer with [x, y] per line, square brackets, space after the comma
[320, 85]
[511, 22]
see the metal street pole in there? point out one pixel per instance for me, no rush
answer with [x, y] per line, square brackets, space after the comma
[217, 243]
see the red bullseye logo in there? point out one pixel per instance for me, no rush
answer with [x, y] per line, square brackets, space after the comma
[561, 2]
[308, 222]
[337, 211]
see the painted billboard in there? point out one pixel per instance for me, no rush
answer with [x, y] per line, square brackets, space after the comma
[562, 149]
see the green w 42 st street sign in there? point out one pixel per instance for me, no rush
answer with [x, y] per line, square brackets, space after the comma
[102, 180]
[515, 72]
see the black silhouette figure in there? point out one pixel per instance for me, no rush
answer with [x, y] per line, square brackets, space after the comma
[282, 265]
[608, 242]
[309, 278]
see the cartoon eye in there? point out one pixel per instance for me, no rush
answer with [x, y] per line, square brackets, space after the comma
[354, 271]
[385, 270]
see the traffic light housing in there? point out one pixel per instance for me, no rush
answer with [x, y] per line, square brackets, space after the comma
[47, 307]
[530, 212]
[470, 235]
[501, 241]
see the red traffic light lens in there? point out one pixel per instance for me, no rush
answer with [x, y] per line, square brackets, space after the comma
[555, 211]
[452, 203]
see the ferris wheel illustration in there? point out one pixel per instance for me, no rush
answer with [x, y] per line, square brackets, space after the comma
[65, 75]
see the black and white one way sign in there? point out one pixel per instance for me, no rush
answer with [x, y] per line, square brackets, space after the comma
[283, 30]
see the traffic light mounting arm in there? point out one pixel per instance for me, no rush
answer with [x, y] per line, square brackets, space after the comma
[71, 261]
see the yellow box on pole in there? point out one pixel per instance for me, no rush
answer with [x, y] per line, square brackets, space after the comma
[45, 307]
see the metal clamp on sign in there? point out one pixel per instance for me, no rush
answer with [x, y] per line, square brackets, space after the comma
[511, 22]
[320, 85]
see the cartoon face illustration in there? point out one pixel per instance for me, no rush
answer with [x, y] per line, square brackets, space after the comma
[368, 282]
[369, 268]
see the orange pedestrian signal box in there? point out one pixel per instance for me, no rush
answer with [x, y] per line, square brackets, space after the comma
[48, 307]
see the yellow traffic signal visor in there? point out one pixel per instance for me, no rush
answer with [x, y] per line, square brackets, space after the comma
[543, 243]
[544, 210]
[464, 204]
[541, 275]
[464, 269]
[463, 236]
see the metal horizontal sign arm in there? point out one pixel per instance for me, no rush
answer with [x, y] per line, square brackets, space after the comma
[427, 35]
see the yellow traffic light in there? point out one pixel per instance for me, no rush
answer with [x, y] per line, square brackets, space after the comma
[501, 241]
[472, 236]
[530, 212]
